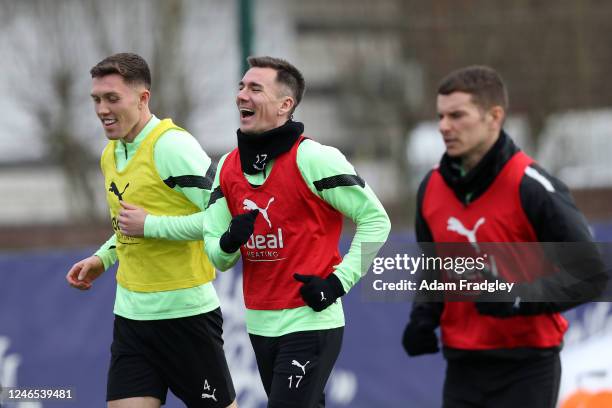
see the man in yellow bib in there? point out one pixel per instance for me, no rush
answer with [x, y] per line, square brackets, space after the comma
[168, 325]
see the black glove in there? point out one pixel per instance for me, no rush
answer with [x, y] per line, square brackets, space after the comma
[319, 293]
[239, 231]
[420, 339]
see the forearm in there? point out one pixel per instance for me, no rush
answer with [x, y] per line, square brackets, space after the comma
[330, 176]
[217, 218]
[220, 259]
[578, 274]
[107, 252]
[580, 277]
[176, 228]
[372, 230]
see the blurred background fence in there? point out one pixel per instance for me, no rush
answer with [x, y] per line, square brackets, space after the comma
[371, 67]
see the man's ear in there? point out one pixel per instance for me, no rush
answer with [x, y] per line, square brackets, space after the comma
[286, 106]
[497, 115]
[143, 99]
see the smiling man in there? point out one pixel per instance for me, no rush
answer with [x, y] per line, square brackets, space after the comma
[168, 324]
[278, 200]
[485, 189]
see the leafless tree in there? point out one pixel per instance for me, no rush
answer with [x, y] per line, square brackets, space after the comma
[49, 47]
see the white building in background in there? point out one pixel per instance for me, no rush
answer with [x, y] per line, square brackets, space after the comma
[210, 51]
[573, 146]
[576, 146]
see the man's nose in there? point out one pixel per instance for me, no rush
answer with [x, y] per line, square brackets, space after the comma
[242, 95]
[443, 125]
[102, 108]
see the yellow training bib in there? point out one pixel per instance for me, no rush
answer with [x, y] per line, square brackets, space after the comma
[147, 264]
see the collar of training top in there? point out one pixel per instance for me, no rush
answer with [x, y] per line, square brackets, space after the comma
[256, 151]
[477, 180]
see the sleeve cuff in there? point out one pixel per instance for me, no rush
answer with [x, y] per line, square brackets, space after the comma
[336, 284]
[106, 258]
[151, 226]
[346, 285]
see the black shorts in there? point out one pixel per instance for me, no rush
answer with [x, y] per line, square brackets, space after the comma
[502, 383]
[294, 368]
[184, 354]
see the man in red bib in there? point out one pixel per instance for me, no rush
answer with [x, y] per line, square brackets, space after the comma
[283, 196]
[486, 190]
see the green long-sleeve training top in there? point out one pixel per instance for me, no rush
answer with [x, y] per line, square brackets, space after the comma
[360, 204]
[176, 154]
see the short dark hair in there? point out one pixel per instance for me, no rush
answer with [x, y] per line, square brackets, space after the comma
[484, 84]
[132, 67]
[286, 74]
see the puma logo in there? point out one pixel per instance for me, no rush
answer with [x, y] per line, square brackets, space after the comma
[303, 367]
[113, 189]
[456, 226]
[211, 396]
[323, 296]
[251, 205]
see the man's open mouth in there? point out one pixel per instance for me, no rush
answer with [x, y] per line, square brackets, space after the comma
[245, 113]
